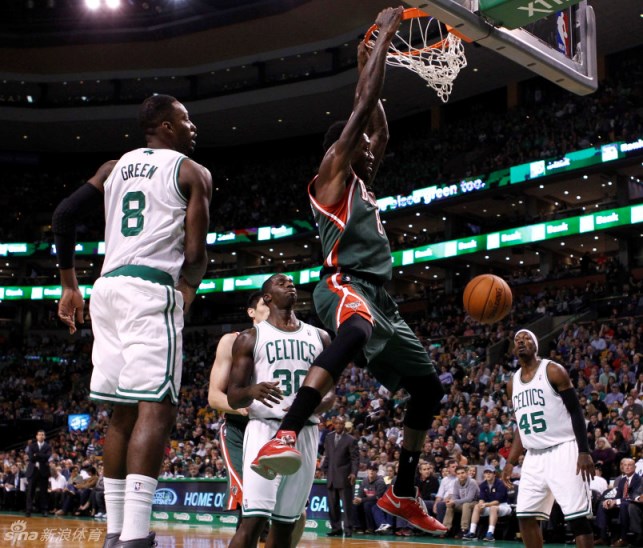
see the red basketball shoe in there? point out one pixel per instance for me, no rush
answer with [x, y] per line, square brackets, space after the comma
[412, 509]
[278, 456]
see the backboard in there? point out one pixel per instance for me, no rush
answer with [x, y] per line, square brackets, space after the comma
[560, 47]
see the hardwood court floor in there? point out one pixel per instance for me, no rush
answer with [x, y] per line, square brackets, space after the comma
[18, 531]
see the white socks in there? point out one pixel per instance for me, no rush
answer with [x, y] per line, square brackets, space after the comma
[114, 503]
[473, 527]
[139, 493]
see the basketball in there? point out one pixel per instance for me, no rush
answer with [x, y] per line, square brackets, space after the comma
[487, 298]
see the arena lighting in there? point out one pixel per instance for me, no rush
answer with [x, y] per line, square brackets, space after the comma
[113, 4]
[92, 4]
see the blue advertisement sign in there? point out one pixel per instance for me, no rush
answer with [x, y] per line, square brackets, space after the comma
[208, 496]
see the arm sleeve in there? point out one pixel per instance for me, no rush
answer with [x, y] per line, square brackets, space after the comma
[570, 399]
[77, 206]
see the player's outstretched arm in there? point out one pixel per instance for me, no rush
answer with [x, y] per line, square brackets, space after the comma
[336, 165]
[196, 183]
[561, 382]
[77, 206]
[377, 128]
[220, 375]
[241, 393]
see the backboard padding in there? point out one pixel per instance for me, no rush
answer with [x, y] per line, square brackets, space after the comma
[578, 75]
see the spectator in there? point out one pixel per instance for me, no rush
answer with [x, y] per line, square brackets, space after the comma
[85, 489]
[598, 486]
[635, 510]
[97, 499]
[12, 488]
[626, 484]
[57, 483]
[220, 471]
[371, 489]
[71, 492]
[465, 490]
[427, 483]
[605, 456]
[446, 488]
[494, 502]
[637, 435]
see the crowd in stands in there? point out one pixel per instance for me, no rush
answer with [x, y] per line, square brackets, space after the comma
[476, 138]
[47, 379]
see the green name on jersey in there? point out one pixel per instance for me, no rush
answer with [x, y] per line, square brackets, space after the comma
[138, 170]
[290, 349]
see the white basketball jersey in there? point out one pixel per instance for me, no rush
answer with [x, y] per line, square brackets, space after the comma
[145, 212]
[284, 356]
[541, 415]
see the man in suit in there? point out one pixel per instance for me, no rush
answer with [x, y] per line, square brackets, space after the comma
[11, 488]
[341, 462]
[38, 472]
[635, 510]
[626, 485]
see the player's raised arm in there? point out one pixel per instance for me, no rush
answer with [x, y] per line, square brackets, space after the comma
[377, 129]
[336, 165]
[196, 183]
[241, 392]
[81, 203]
[561, 382]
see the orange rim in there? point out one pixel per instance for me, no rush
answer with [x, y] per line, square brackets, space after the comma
[417, 13]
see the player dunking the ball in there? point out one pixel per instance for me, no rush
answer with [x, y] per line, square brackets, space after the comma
[350, 297]
[156, 220]
[551, 426]
[269, 362]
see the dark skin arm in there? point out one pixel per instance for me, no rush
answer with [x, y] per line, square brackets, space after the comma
[335, 168]
[240, 392]
[195, 182]
[560, 380]
[71, 305]
[377, 129]
[517, 448]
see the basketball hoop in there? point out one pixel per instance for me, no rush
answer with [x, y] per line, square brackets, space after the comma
[438, 63]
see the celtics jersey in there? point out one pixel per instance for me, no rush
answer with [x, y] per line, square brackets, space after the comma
[541, 415]
[145, 212]
[351, 232]
[284, 356]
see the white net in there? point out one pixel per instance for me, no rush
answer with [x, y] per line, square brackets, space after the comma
[423, 47]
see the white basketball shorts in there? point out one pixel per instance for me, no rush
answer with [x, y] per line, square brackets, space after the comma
[284, 498]
[548, 475]
[138, 344]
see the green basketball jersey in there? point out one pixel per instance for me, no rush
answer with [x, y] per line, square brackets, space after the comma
[351, 233]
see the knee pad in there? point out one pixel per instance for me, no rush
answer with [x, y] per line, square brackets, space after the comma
[426, 392]
[580, 526]
[351, 337]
